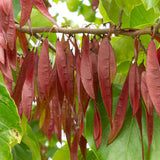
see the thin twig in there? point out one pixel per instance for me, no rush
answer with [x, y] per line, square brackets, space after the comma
[142, 46]
[120, 20]
[125, 31]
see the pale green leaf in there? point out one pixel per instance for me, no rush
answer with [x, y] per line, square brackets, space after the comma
[113, 11]
[16, 8]
[30, 140]
[103, 12]
[87, 12]
[62, 153]
[124, 49]
[140, 16]
[149, 3]
[10, 124]
[123, 67]
[38, 19]
[128, 5]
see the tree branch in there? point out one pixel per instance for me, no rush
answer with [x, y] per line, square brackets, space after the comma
[125, 31]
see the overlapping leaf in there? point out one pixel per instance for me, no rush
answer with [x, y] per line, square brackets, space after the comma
[83, 98]
[61, 63]
[153, 75]
[104, 75]
[120, 112]
[86, 68]
[74, 148]
[2, 40]
[70, 71]
[12, 57]
[39, 4]
[26, 8]
[57, 117]
[25, 69]
[83, 144]
[97, 127]
[44, 69]
[11, 31]
[149, 109]
[23, 42]
[28, 91]
[134, 87]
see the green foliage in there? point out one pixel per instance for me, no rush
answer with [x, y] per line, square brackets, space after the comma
[10, 128]
[21, 152]
[128, 144]
[149, 3]
[30, 140]
[138, 14]
[62, 153]
[73, 5]
[87, 12]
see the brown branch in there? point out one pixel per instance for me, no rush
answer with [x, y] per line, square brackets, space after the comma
[126, 32]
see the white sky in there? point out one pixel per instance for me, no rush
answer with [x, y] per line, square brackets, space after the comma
[63, 11]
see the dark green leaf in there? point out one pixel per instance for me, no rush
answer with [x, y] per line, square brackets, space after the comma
[21, 152]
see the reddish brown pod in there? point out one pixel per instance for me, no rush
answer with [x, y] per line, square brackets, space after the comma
[153, 75]
[86, 68]
[106, 73]
[120, 112]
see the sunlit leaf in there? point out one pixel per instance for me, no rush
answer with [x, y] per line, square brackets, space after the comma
[149, 3]
[11, 131]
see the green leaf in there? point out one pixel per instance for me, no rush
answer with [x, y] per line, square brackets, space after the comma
[123, 67]
[128, 5]
[73, 5]
[116, 90]
[149, 3]
[113, 10]
[120, 78]
[30, 140]
[124, 146]
[38, 19]
[157, 9]
[124, 49]
[127, 145]
[62, 153]
[154, 153]
[10, 128]
[103, 12]
[140, 16]
[16, 8]
[1, 78]
[87, 12]
[21, 152]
